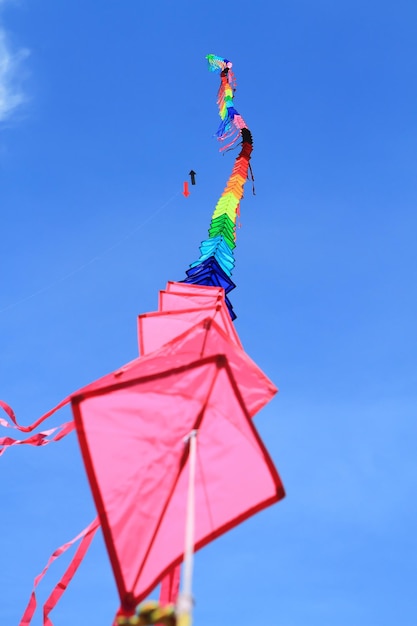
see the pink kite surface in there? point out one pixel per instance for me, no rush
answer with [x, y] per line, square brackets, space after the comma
[179, 312]
[132, 427]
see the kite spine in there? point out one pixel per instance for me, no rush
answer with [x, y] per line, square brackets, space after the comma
[216, 262]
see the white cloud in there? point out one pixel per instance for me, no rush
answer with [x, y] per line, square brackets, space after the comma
[11, 93]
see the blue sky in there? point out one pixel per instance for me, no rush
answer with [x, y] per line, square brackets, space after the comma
[104, 109]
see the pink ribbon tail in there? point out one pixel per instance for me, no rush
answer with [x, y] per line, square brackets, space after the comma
[86, 536]
[28, 429]
[39, 439]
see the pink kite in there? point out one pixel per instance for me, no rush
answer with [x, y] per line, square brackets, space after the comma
[133, 427]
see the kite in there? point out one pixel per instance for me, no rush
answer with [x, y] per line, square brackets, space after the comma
[185, 191]
[187, 463]
[192, 174]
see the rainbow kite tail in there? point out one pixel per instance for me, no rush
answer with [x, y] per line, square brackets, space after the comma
[216, 262]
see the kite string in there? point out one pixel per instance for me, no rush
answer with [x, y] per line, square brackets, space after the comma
[97, 257]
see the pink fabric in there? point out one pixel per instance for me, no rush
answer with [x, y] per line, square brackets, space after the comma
[61, 586]
[183, 296]
[202, 340]
[191, 290]
[171, 300]
[239, 122]
[131, 426]
[86, 536]
[8, 409]
[39, 439]
[157, 329]
[28, 429]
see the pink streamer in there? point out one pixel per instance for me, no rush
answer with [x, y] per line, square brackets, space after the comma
[28, 429]
[39, 439]
[86, 535]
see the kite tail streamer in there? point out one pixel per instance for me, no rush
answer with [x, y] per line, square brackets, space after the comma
[216, 262]
[86, 537]
[38, 439]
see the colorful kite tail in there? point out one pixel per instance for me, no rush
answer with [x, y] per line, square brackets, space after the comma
[216, 262]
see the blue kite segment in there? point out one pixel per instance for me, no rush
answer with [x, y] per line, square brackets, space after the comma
[210, 273]
[210, 267]
[220, 251]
